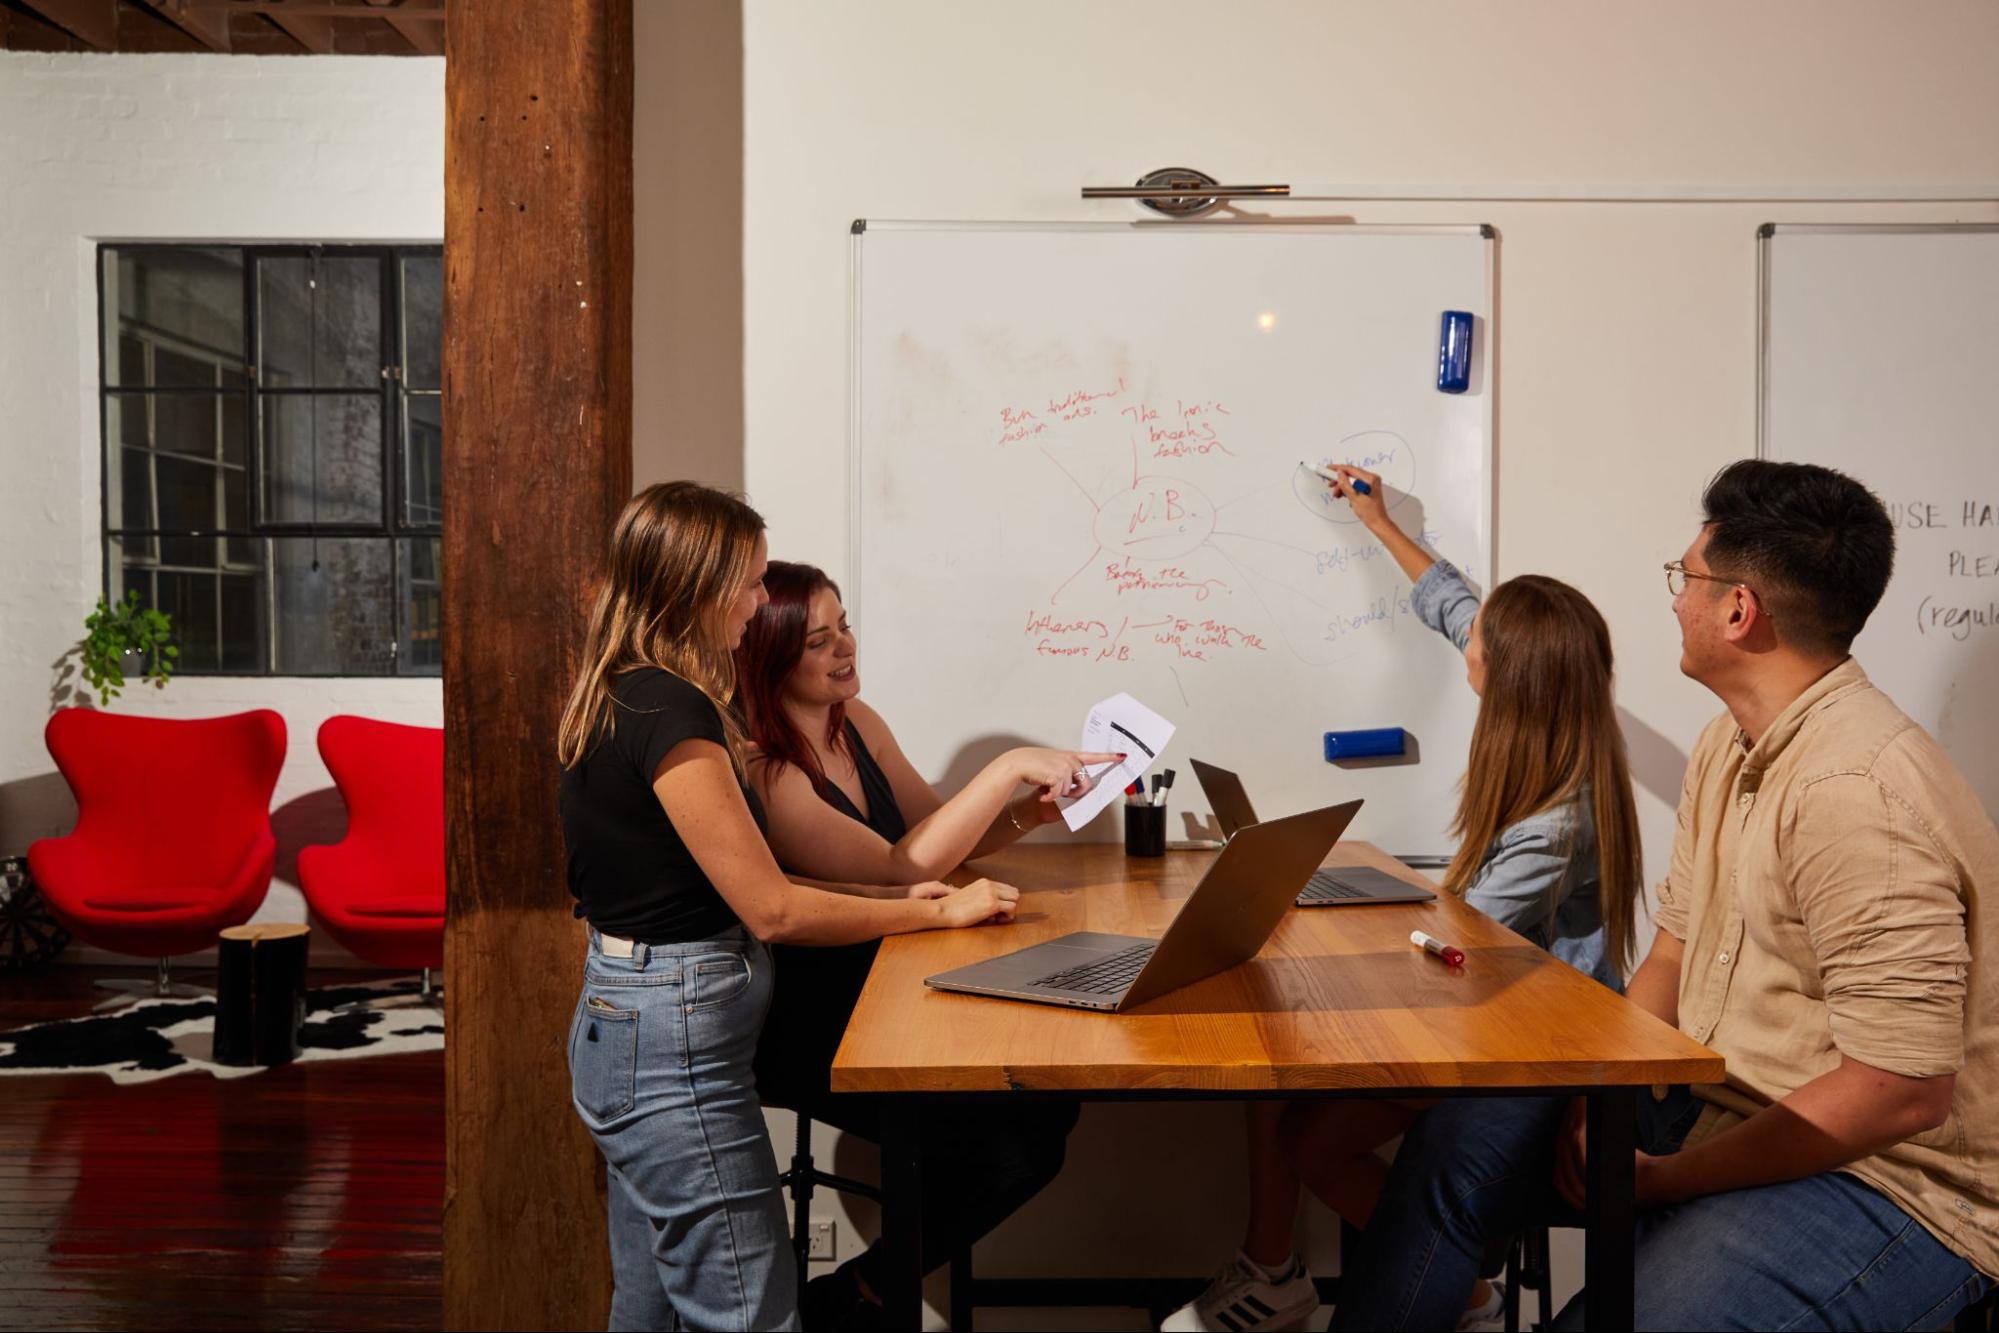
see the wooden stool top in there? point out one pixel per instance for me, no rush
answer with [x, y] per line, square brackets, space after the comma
[259, 931]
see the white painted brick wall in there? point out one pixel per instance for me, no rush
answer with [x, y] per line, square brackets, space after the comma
[171, 148]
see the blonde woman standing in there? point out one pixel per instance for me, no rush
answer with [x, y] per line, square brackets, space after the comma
[1547, 834]
[668, 862]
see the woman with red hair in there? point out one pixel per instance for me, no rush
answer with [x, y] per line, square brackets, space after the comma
[846, 805]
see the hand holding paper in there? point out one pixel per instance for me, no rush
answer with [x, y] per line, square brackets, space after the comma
[1119, 723]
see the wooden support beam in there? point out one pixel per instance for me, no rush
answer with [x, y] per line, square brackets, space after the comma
[209, 26]
[537, 464]
[92, 22]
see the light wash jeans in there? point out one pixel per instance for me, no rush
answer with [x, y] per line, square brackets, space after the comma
[659, 1066]
[1826, 1252]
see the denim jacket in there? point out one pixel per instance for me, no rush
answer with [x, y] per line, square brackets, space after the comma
[1539, 877]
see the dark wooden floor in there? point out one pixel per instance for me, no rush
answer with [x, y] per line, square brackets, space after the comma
[303, 1197]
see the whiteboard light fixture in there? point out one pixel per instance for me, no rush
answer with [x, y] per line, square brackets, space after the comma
[1182, 192]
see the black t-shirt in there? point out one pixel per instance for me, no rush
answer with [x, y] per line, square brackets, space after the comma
[632, 875]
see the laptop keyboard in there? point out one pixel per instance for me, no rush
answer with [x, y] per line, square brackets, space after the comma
[1107, 975]
[1324, 886]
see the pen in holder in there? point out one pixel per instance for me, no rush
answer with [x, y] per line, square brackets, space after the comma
[1144, 830]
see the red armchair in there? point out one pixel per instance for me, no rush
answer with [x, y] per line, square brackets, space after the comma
[173, 833]
[380, 890]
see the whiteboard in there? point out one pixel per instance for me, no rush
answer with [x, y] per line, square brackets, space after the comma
[1075, 472]
[1880, 357]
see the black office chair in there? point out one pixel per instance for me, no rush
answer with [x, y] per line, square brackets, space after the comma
[1527, 1266]
[802, 1178]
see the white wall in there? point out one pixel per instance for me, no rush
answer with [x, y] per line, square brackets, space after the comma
[1625, 357]
[159, 148]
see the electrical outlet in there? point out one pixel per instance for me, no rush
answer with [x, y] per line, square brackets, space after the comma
[819, 1241]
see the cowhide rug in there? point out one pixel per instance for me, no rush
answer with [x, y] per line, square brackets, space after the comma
[158, 1038]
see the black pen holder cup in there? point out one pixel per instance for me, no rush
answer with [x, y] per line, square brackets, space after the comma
[1144, 830]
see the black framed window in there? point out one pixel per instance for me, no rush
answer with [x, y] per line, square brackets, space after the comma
[273, 450]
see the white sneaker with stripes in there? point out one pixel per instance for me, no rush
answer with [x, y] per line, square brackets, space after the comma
[1245, 1297]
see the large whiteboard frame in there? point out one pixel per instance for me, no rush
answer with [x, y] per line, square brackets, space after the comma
[1766, 235]
[1486, 366]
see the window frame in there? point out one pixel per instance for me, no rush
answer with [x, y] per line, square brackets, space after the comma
[393, 398]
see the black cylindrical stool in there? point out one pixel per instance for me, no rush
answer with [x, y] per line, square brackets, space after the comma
[260, 993]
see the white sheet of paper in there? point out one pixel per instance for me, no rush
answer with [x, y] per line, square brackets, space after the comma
[1117, 724]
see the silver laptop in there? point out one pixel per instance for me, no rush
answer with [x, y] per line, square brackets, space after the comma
[1231, 912]
[1326, 888]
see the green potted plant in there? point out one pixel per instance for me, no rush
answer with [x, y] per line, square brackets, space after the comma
[124, 637]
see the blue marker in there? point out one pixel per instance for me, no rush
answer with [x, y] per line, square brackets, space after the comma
[1336, 478]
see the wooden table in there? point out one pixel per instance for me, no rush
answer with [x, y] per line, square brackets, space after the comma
[1337, 1003]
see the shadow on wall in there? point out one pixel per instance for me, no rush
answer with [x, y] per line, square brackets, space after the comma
[316, 817]
[1657, 765]
[33, 808]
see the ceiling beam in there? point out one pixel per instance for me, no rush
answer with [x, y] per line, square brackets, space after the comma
[431, 10]
[210, 27]
[93, 22]
[425, 35]
[311, 31]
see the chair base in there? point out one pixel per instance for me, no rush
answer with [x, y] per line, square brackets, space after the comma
[131, 990]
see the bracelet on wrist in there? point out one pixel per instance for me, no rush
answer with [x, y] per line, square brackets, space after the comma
[1014, 819]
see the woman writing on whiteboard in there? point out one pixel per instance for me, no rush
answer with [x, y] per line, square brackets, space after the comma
[1548, 846]
[668, 862]
[845, 803]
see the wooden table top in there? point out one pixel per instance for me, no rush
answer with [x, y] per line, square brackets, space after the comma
[1338, 998]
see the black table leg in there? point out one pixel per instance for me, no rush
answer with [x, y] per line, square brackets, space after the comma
[902, 1212]
[1610, 1211]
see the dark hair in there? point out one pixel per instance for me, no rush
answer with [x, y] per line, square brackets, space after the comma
[1816, 545]
[772, 644]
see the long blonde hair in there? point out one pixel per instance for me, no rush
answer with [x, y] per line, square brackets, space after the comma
[680, 555]
[1547, 730]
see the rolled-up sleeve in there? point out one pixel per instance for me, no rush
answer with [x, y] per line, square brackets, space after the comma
[1445, 602]
[1881, 903]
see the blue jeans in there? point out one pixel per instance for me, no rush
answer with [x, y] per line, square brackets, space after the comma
[659, 1065]
[1824, 1252]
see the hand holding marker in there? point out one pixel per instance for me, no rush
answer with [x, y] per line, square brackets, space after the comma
[1336, 479]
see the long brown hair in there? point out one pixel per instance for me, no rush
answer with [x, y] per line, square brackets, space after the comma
[680, 555]
[1547, 731]
[771, 647]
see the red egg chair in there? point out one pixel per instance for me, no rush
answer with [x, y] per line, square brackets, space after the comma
[380, 890]
[173, 832]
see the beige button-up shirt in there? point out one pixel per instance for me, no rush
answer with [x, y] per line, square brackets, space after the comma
[1827, 884]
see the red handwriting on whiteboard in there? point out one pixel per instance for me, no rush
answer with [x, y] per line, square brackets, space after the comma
[1019, 423]
[1159, 506]
[1081, 403]
[1202, 640]
[1038, 623]
[1126, 577]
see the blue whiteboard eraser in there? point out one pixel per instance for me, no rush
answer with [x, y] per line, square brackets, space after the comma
[1369, 744]
[1454, 352]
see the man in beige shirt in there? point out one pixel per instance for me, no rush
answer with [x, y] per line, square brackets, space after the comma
[1820, 927]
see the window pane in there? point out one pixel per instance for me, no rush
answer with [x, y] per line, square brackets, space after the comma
[184, 299]
[132, 506]
[423, 322]
[325, 448]
[196, 424]
[333, 599]
[423, 459]
[423, 608]
[188, 499]
[320, 322]
[216, 613]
